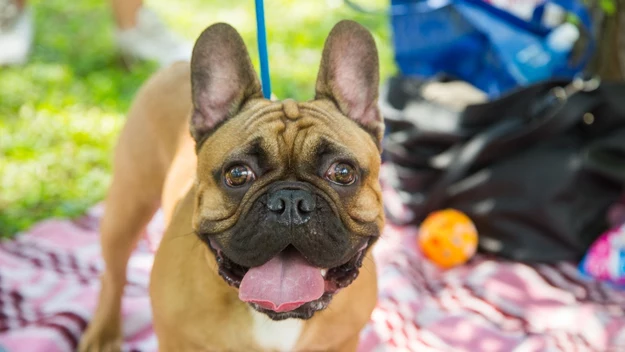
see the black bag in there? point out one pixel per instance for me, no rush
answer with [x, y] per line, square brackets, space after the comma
[536, 170]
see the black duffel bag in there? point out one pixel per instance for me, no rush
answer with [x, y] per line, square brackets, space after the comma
[536, 170]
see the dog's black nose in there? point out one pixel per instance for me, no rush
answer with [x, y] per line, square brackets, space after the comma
[292, 206]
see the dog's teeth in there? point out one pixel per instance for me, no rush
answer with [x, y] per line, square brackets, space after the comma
[324, 272]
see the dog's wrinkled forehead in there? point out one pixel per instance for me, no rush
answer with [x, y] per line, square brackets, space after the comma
[288, 133]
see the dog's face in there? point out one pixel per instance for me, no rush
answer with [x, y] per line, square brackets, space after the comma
[288, 197]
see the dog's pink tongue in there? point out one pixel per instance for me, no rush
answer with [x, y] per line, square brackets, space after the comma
[282, 284]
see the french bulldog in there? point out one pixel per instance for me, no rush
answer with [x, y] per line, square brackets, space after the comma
[271, 207]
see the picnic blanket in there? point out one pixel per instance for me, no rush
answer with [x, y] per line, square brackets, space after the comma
[49, 287]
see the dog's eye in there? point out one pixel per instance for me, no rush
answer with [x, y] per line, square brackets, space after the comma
[341, 173]
[239, 175]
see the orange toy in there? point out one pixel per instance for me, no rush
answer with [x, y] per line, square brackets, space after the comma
[448, 238]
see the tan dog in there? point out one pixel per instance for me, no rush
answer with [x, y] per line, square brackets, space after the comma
[271, 207]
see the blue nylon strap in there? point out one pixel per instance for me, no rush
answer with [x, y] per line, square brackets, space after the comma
[579, 9]
[262, 49]
[571, 6]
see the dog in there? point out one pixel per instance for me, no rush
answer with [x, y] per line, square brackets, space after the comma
[271, 207]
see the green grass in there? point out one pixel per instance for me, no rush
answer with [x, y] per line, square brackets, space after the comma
[61, 112]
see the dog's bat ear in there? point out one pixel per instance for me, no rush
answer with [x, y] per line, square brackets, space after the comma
[222, 78]
[349, 75]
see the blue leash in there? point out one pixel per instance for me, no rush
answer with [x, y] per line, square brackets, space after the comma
[262, 49]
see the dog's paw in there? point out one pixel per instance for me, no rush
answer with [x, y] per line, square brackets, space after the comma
[101, 339]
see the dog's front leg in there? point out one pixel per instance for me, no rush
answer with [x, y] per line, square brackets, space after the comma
[132, 200]
[124, 220]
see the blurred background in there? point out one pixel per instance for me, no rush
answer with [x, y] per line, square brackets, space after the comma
[61, 111]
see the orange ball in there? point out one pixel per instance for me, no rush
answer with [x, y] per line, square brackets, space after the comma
[448, 238]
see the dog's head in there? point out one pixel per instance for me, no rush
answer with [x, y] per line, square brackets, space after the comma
[288, 197]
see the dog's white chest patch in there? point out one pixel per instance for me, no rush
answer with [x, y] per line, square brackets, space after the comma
[276, 335]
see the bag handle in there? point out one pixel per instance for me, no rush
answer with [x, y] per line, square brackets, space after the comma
[556, 113]
[583, 15]
[571, 6]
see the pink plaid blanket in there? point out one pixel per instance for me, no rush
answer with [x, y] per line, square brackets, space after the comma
[49, 284]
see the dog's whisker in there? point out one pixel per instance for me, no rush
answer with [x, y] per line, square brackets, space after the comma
[383, 239]
[181, 235]
[193, 248]
[197, 244]
[330, 308]
[366, 268]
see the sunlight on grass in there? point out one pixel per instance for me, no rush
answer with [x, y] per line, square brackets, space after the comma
[60, 113]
